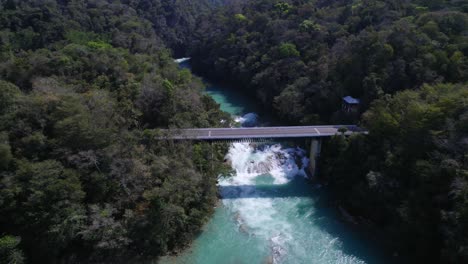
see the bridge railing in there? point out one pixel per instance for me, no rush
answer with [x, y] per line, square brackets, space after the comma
[260, 132]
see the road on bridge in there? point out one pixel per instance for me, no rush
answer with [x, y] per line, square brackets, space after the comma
[264, 132]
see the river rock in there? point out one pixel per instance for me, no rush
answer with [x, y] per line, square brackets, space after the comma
[242, 226]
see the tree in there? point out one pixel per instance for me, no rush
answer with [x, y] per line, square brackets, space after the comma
[5, 152]
[287, 50]
[9, 96]
[408, 174]
[9, 252]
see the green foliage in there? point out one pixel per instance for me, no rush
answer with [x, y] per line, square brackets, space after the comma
[282, 7]
[405, 173]
[240, 18]
[82, 85]
[168, 86]
[82, 178]
[289, 104]
[5, 152]
[308, 26]
[288, 50]
[82, 38]
[98, 45]
[9, 94]
[361, 48]
[9, 252]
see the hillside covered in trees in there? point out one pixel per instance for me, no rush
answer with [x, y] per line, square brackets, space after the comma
[85, 85]
[408, 63]
[409, 176]
[82, 178]
[301, 57]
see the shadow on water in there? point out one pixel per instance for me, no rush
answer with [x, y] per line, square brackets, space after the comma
[261, 191]
[354, 241]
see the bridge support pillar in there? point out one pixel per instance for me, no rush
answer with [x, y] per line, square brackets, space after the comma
[315, 148]
[212, 156]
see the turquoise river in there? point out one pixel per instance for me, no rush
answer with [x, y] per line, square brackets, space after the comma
[269, 212]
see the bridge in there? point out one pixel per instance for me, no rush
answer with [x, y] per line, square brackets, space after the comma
[244, 133]
[264, 132]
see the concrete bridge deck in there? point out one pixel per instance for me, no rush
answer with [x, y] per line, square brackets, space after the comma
[264, 132]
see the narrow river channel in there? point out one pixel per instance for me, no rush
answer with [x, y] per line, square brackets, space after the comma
[269, 212]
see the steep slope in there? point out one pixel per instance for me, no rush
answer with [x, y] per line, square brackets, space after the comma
[83, 84]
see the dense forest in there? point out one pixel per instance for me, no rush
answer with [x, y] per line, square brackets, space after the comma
[408, 63]
[83, 87]
[410, 174]
[301, 57]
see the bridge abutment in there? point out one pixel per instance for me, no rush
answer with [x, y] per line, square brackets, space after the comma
[315, 149]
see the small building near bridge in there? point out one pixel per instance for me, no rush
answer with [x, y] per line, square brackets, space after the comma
[350, 104]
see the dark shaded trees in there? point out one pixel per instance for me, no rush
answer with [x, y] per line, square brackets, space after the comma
[409, 174]
[361, 48]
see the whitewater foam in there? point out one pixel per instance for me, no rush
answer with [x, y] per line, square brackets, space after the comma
[181, 60]
[276, 219]
[258, 212]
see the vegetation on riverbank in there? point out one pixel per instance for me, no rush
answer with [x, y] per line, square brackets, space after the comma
[82, 178]
[410, 174]
[301, 57]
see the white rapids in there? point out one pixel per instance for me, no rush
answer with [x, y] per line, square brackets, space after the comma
[258, 194]
[181, 60]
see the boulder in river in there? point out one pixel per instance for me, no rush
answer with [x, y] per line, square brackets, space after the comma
[242, 226]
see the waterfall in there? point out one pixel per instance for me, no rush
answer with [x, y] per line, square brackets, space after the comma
[264, 165]
[269, 200]
[250, 161]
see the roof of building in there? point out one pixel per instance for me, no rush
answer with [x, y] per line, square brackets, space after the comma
[351, 100]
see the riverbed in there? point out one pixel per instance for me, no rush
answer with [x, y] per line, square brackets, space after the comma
[269, 212]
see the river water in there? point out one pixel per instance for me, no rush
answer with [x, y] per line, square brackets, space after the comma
[269, 212]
